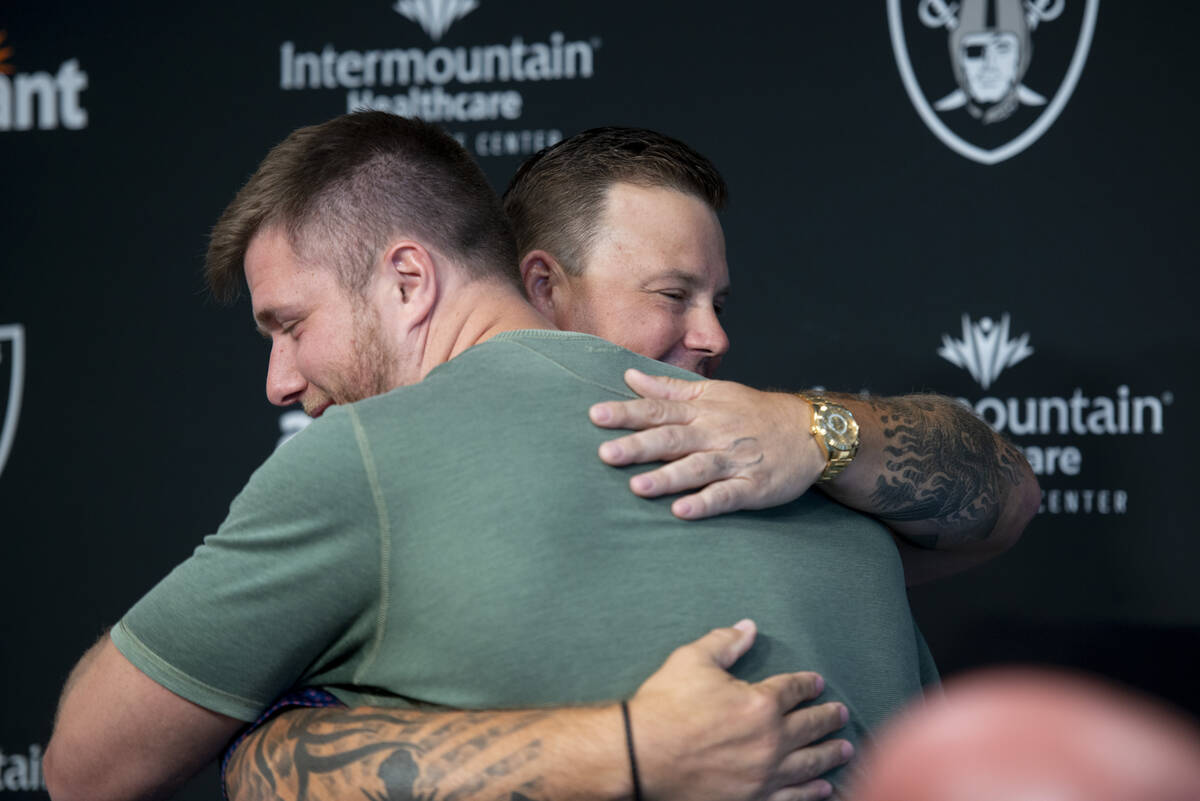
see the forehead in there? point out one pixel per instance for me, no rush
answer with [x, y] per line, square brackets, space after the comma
[279, 280]
[648, 230]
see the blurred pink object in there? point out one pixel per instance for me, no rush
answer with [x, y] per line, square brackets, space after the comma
[1029, 734]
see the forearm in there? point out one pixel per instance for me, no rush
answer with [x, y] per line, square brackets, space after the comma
[699, 735]
[393, 754]
[936, 475]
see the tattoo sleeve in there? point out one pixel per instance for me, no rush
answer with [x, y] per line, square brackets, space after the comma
[388, 755]
[943, 466]
[377, 754]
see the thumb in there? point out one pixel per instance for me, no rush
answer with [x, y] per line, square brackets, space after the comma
[725, 646]
[662, 387]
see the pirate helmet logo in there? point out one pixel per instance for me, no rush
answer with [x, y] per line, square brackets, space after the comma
[995, 112]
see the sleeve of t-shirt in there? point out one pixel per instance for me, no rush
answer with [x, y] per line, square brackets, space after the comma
[283, 589]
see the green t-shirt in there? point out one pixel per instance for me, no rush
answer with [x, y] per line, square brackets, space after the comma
[459, 542]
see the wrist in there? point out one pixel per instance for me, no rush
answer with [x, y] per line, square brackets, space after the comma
[811, 457]
[654, 741]
[635, 781]
[835, 432]
[610, 775]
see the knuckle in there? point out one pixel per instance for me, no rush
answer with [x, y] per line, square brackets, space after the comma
[626, 414]
[833, 714]
[761, 707]
[672, 439]
[619, 412]
[825, 723]
[697, 466]
[656, 411]
[632, 446]
[722, 496]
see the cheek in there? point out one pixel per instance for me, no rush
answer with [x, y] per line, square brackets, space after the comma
[660, 334]
[314, 362]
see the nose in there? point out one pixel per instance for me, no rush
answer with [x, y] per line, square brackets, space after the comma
[706, 334]
[285, 385]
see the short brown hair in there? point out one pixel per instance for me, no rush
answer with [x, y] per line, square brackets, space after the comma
[343, 189]
[557, 197]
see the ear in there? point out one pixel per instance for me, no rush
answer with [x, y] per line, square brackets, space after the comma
[412, 275]
[545, 282]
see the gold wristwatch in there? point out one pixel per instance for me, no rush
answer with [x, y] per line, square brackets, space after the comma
[836, 431]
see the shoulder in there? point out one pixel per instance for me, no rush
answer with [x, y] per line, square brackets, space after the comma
[557, 355]
[321, 462]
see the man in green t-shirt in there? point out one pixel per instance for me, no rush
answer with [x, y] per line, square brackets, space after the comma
[619, 238]
[433, 290]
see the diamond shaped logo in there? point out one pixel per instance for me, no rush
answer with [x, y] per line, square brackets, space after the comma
[435, 16]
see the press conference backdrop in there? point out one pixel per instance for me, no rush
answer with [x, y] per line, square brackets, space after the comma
[996, 204]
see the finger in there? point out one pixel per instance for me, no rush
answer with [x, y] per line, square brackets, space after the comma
[810, 723]
[811, 791]
[653, 445]
[715, 499]
[640, 413]
[690, 472]
[790, 689]
[725, 646]
[663, 387]
[805, 764]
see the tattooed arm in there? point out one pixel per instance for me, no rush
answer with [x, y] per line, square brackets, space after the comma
[391, 754]
[954, 491]
[940, 478]
[699, 735]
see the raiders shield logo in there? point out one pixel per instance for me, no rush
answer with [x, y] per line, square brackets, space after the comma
[12, 373]
[973, 71]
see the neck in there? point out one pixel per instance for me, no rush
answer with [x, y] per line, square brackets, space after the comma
[473, 313]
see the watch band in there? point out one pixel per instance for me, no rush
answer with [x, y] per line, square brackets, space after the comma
[836, 432]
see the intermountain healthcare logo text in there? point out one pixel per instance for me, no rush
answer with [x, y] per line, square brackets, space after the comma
[49, 100]
[999, 107]
[986, 348]
[12, 341]
[22, 771]
[459, 85]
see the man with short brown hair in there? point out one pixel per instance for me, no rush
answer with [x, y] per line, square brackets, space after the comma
[490, 405]
[618, 236]
[402, 551]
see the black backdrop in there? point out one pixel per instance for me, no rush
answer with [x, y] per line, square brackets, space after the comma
[860, 243]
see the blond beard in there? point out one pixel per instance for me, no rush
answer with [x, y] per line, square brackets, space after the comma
[371, 369]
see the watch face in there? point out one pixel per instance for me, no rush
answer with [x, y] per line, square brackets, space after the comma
[841, 429]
